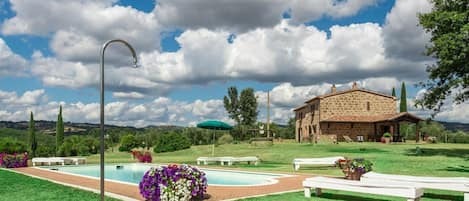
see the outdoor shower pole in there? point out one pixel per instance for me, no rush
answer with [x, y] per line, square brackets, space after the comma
[101, 149]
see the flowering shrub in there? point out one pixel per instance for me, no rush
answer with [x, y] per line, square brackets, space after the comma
[142, 157]
[13, 160]
[354, 168]
[173, 182]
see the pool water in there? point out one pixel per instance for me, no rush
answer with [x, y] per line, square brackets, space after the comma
[133, 173]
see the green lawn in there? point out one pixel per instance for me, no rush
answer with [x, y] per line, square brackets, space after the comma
[18, 187]
[436, 160]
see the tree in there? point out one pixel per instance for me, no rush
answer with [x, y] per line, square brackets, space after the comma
[59, 130]
[128, 142]
[248, 107]
[403, 106]
[32, 136]
[448, 24]
[393, 92]
[231, 104]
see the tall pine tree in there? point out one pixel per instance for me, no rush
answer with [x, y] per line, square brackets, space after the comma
[248, 107]
[403, 106]
[32, 136]
[393, 92]
[231, 103]
[59, 131]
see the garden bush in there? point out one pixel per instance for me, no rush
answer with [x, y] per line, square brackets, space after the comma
[173, 182]
[11, 146]
[13, 160]
[78, 146]
[225, 139]
[128, 142]
[142, 157]
[172, 141]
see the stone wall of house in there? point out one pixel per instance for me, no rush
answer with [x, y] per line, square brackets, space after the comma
[307, 122]
[338, 130]
[355, 103]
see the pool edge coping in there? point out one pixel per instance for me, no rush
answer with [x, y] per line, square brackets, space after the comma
[272, 181]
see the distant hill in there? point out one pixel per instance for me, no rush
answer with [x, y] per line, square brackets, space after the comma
[77, 128]
[454, 126]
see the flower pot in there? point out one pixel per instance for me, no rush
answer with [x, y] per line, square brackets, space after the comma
[354, 176]
[387, 140]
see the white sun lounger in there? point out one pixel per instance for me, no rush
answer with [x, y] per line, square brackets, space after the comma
[49, 161]
[409, 192]
[75, 161]
[330, 161]
[227, 160]
[206, 160]
[247, 159]
[460, 184]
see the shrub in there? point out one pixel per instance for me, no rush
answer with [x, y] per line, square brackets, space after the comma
[173, 182]
[13, 160]
[171, 142]
[387, 135]
[76, 145]
[142, 157]
[128, 142]
[225, 139]
[11, 146]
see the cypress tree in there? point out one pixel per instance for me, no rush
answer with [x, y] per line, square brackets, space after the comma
[59, 131]
[393, 92]
[403, 106]
[32, 136]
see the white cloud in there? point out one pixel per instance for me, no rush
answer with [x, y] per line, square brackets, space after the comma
[404, 38]
[80, 27]
[130, 95]
[245, 15]
[29, 98]
[11, 64]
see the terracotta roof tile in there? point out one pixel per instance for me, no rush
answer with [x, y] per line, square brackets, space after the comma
[347, 91]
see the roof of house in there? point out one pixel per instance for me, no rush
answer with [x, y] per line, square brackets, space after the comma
[348, 91]
[374, 119]
[300, 107]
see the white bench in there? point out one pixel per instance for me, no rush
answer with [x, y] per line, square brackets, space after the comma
[49, 161]
[247, 159]
[329, 161]
[206, 160]
[460, 184]
[318, 183]
[75, 161]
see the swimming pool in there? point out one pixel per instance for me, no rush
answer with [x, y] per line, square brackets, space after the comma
[133, 173]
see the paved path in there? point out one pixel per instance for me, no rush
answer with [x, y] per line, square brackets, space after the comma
[132, 191]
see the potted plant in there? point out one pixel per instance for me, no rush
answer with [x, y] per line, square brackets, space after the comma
[354, 168]
[386, 138]
[173, 182]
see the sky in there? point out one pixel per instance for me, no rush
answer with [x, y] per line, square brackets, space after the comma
[190, 52]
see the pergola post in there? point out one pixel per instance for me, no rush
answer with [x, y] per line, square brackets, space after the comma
[417, 136]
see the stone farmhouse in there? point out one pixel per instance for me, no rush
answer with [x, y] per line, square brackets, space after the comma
[360, 114]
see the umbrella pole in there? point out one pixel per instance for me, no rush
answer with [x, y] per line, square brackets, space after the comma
[213, 144]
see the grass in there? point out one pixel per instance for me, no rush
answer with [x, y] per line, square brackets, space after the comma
[16, 186]
[435, 160]
[329, 195]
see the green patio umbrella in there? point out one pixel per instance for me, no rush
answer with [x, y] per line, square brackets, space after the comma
[214, 125]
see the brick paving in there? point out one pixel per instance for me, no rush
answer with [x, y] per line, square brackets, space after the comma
[216, 192]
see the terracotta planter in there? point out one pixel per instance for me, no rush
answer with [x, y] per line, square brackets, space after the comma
[352, 175]
[387, 140]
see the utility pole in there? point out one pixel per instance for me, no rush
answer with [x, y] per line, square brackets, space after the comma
[268, 114]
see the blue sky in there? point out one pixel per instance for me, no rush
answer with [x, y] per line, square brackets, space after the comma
[191, 52]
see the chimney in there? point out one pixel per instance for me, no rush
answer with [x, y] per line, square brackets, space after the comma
[333, 89]
[354, 86]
